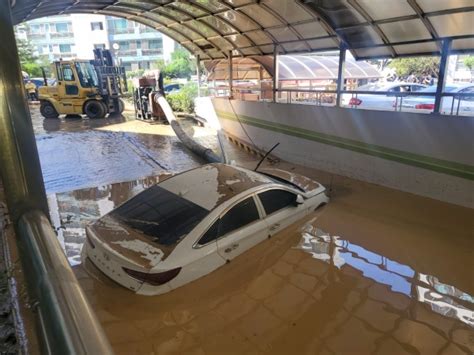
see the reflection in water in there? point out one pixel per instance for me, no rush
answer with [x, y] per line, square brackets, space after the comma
[72, 211]
[334, 250]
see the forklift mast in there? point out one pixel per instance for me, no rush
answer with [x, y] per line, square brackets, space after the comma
[108, 74]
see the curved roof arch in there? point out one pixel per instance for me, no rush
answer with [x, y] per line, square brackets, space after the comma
[291, 67]
[213, 28]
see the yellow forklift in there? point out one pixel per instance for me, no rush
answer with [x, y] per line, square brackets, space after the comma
[85, 87]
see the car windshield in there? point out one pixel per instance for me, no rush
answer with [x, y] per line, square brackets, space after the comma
[160, 215]
[87, 75]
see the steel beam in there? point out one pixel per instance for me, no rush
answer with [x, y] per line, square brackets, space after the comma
[231, 74]
[276, 73]
[198, 73]
[19, 162]
[340, 74]
[442, 74]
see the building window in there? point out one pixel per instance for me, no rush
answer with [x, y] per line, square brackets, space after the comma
[155, 44]
[65, 48]
[62, 27]
[124, 46]
[97, 26]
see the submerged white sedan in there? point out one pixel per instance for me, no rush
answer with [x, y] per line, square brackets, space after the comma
[194, 222]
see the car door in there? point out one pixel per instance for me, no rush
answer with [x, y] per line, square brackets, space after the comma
[240, 228]
[466, 104]
[280, 208]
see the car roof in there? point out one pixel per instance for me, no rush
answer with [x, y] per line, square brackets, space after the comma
[213, 184]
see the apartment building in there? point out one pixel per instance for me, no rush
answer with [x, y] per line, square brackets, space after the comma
[75, 36]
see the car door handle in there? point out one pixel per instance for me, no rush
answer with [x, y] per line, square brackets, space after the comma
[275, 226]
[233, 247]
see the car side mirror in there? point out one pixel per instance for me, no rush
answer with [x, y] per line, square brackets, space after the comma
[299, 200]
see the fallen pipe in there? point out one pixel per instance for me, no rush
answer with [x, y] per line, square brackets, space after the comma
[205, 153]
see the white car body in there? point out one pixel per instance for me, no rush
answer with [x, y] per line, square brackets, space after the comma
[379, 102]
[120, 244]
[425, 104]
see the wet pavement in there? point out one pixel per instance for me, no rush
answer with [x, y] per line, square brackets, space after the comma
[77, 153]
[376, 271]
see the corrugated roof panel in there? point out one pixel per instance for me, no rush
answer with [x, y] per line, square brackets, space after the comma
[461, 23]
[402, 31]
[383, 9]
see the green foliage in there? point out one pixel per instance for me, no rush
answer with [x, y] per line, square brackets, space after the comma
[418, 66]
[183, 100]
[135, 73]
[180, 66]
[469, 62]
[33, 69]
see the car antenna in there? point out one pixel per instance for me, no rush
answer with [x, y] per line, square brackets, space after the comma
[266, 155]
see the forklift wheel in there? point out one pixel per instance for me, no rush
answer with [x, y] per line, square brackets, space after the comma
[121, 106]
[47, 110]
[95, 109]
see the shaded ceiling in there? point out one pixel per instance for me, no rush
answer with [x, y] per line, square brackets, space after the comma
[212, 28]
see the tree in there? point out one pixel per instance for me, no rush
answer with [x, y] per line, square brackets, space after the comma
[180, 66]
[469, 62]
[418, 66]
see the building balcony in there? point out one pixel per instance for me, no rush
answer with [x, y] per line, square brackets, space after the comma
[119, 31]
[54, 35]
[127, 53]
[64, 55]
[157, 51]
[37, 36]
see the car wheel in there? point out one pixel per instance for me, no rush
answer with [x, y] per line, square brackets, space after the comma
[47, 110]
[95, 109]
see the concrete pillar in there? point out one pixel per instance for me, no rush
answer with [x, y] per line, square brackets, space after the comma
[19, 162]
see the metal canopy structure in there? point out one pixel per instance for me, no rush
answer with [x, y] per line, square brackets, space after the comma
[290, 67]
[214, 28]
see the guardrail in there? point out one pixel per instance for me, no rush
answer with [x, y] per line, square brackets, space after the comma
[321, 97]
[67, 321]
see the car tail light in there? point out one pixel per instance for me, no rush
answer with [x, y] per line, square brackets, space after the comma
[354, 101]
[89, 240]
[424, 106]
[153, 279]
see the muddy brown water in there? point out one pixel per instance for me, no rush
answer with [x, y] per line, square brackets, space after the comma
[376, 271]
[372, 272]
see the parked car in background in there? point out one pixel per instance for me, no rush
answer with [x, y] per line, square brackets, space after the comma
[172, 88]
[379, 102]
[426, 103]
[40, 81]
[194, 222]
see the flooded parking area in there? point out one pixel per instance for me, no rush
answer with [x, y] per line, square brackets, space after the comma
[376, 271]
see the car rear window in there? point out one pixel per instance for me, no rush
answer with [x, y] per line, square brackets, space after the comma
[161, 215]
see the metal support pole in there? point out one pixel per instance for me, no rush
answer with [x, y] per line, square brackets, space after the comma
[198, 73]
[231, 75]
[275, 73]
[442, 74]
[340, 75]
[19, 162]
